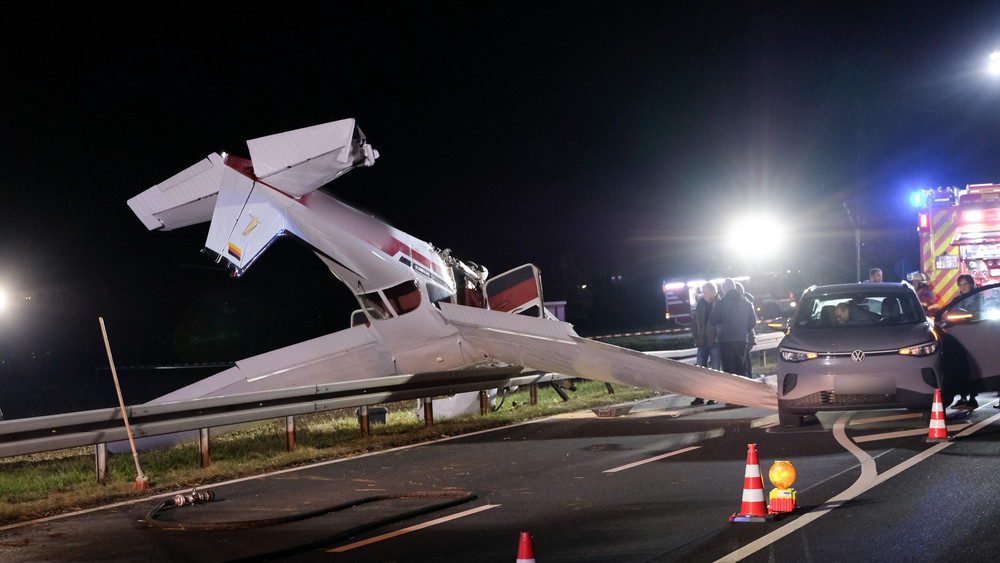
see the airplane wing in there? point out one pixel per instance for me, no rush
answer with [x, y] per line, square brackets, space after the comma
[554, 346]
[348, 355]
[344, 355]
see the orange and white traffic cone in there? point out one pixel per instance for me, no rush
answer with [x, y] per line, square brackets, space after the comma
[938, 432]
[525, 554]
[754, 508]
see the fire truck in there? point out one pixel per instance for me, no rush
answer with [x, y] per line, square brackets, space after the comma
[959, 234]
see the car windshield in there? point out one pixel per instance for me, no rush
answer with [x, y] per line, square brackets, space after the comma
[858, 309]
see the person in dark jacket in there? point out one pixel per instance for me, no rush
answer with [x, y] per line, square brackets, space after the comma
[735, 317]
[752, 337]
[705, 333]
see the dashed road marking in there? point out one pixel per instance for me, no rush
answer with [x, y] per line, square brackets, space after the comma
[390, 535]
[650, 460]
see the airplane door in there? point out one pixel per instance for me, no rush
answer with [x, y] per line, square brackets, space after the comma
[517, 291]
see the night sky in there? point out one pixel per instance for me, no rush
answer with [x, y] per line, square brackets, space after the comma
[594, 139]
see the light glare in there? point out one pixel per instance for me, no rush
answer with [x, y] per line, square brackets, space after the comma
[993, 67]
[755, 238]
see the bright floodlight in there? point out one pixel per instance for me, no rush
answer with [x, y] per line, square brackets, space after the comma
[994, 65]
[756, 238]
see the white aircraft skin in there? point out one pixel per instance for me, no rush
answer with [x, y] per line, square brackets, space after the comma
[412, 294]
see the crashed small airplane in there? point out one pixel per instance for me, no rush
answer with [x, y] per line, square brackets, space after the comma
[423, 311]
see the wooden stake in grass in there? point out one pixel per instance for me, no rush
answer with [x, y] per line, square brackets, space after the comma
[141, 482]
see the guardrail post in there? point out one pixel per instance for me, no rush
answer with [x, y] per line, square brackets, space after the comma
[363, 421]
[533, 393]
[429, 411]
[611, 390]
[290, 432]
[484, 402]
[558, 389]
[101, 459]
[203, 442]
[763, 358]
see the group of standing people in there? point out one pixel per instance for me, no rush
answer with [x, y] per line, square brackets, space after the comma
[723, 329]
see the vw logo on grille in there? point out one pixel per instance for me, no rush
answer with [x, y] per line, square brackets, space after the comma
[858, 356]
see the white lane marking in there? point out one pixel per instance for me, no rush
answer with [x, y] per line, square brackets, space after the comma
[886, 418]
[650, 460]
[867, 480]
[390, 535]
[903, 433]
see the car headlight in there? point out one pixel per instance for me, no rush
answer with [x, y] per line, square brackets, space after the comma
[920, 350]
[797, 356]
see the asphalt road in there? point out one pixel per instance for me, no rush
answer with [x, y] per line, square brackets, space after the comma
[658, 484]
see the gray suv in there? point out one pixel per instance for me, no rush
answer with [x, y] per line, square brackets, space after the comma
[857, 346]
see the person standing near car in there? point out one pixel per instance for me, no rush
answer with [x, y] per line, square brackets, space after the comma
[705, 333]
[752, 336]
[924, 291]
[735, 317]
[875, 275]
[966, 284]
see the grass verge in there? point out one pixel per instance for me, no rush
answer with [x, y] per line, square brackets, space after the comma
[65, 480]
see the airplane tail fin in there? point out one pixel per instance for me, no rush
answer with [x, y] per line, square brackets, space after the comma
[246, 199]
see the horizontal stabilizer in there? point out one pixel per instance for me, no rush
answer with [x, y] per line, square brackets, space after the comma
[187, 198]
[298, 162]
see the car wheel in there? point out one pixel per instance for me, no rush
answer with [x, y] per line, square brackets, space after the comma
[790, 420]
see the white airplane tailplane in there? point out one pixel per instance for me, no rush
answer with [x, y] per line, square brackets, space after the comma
[186, 198]
[246, 199]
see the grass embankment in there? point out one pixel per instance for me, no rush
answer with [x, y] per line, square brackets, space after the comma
[65, 480]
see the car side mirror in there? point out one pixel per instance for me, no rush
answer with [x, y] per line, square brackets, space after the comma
[956, 316]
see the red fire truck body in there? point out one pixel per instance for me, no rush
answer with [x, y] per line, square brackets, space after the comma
[960, 234]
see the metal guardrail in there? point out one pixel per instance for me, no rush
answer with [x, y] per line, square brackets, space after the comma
[103, 426]
[765, 341]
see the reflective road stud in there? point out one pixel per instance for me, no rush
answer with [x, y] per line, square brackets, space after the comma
[938, 432]
[753, 509]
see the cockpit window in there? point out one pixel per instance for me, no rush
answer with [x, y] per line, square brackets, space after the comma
[373, 304]
[404, 297]
[437, 294]
[858, 309]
